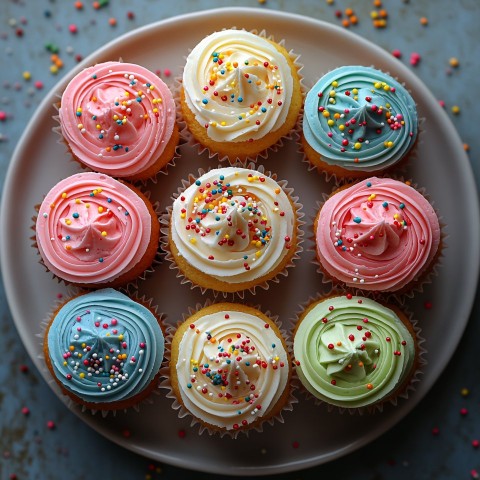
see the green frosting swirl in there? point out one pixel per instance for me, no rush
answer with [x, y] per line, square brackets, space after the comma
[353, 351]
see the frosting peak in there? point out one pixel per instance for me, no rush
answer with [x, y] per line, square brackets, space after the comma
[117, 118]
[238, 85]
[379, 234]
[360, 118]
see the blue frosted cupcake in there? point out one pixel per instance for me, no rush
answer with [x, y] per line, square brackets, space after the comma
[358, 121]
[104, 349]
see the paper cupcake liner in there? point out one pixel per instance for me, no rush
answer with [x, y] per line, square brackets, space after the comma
[399, 297]
[127, 287]
[399, 168]
[73, 292]
[265, 285]
[182, 412]
[154, 178]
[263, 154]
[393, 398]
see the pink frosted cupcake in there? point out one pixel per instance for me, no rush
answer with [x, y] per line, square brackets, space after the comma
[119, 118]
[94, 231]
[379, 235]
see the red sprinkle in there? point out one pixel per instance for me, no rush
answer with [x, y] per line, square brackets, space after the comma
[51, 425]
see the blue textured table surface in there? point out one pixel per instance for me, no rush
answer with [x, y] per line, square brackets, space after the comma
[39, 437]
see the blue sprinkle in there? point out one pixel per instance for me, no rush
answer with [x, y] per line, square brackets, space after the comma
[67, 237]
[264, 109]
[148, 84]
[204, 101]
[222, 72]
[197, 220]
[100, 136]
[245, 257]
[357, 220]
[100, 259]
[206, 365]
[344, 249]
[229, 361]
[385, 204]
[198, 183]
[369, 184]
[217, 219]
[240, 99]
[94, 77]
[91, 194]
[94, 117]
[232, 95]
[79, 114]
[215, 59]
[189, 385]
[247, 364]
[119, 122]
[75, 215]
[249, 81]
[109, 200]
[127, 214]
[117, 104]
[139, 99]
[402, 206]
[340, 242]
[126, 149]
[222, 177]
[273, 345]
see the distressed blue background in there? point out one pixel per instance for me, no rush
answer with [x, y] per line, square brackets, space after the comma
[28, 448]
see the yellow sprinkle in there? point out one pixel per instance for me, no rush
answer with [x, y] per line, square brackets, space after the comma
[120, 337]
[454, 62]
[104, 233]
[87, 205]
[277, 191]
[332, 93]
[223, 124]
[107, 357]
[372, 196]
[331, 123]
[115, 117]
[98, 127]
[257, 254]
[71, 348]
[341, 128]
[65, 364]
[464, 392]
[53, 69]
[155, 110]
[152, 87]
[100, 209]
[68, 221]
[27, 75]
[335, 84]
[64, 195]
[377, 85]
[326, 113]
[337, 116]
[357, 146]
[355, 91]
[258, 243]
[339, 344]
[193, 241]
[455, 109]
[81, 375]
[386, 88]
[183, 215]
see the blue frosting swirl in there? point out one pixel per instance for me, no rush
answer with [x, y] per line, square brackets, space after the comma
[105, 347]
[360, 119]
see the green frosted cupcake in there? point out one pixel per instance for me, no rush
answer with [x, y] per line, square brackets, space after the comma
[354, 352]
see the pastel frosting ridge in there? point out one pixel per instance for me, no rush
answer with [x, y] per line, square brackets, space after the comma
[379, 234]
[233, 223]
[231, 368]
[352, 351]
[238, 85]
[359, 118]
[104, 347]
[91, 229]
[117, 118]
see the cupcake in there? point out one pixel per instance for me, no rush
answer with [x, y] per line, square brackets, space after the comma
[233, 229]
[353, 352]
[119, 118]
[230, 368]
[104, 349]
[379, 234]
[240, 94]
[94, 231]
[358, 121]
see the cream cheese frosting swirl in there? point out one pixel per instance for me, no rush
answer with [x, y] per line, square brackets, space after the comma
[91, 229]
[352, 351]
[360, 118]
[238, 85]
[104, 347]
[234, 224]
[379, 234]
[117, 118]
[232, 368]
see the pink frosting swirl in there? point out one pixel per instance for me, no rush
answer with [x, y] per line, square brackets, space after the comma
[379, 234]
[117, 118]
[91, 229]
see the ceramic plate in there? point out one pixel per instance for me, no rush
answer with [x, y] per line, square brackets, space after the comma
[442, 167]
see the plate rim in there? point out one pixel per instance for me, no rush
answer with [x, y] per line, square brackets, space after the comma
[225, 14]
